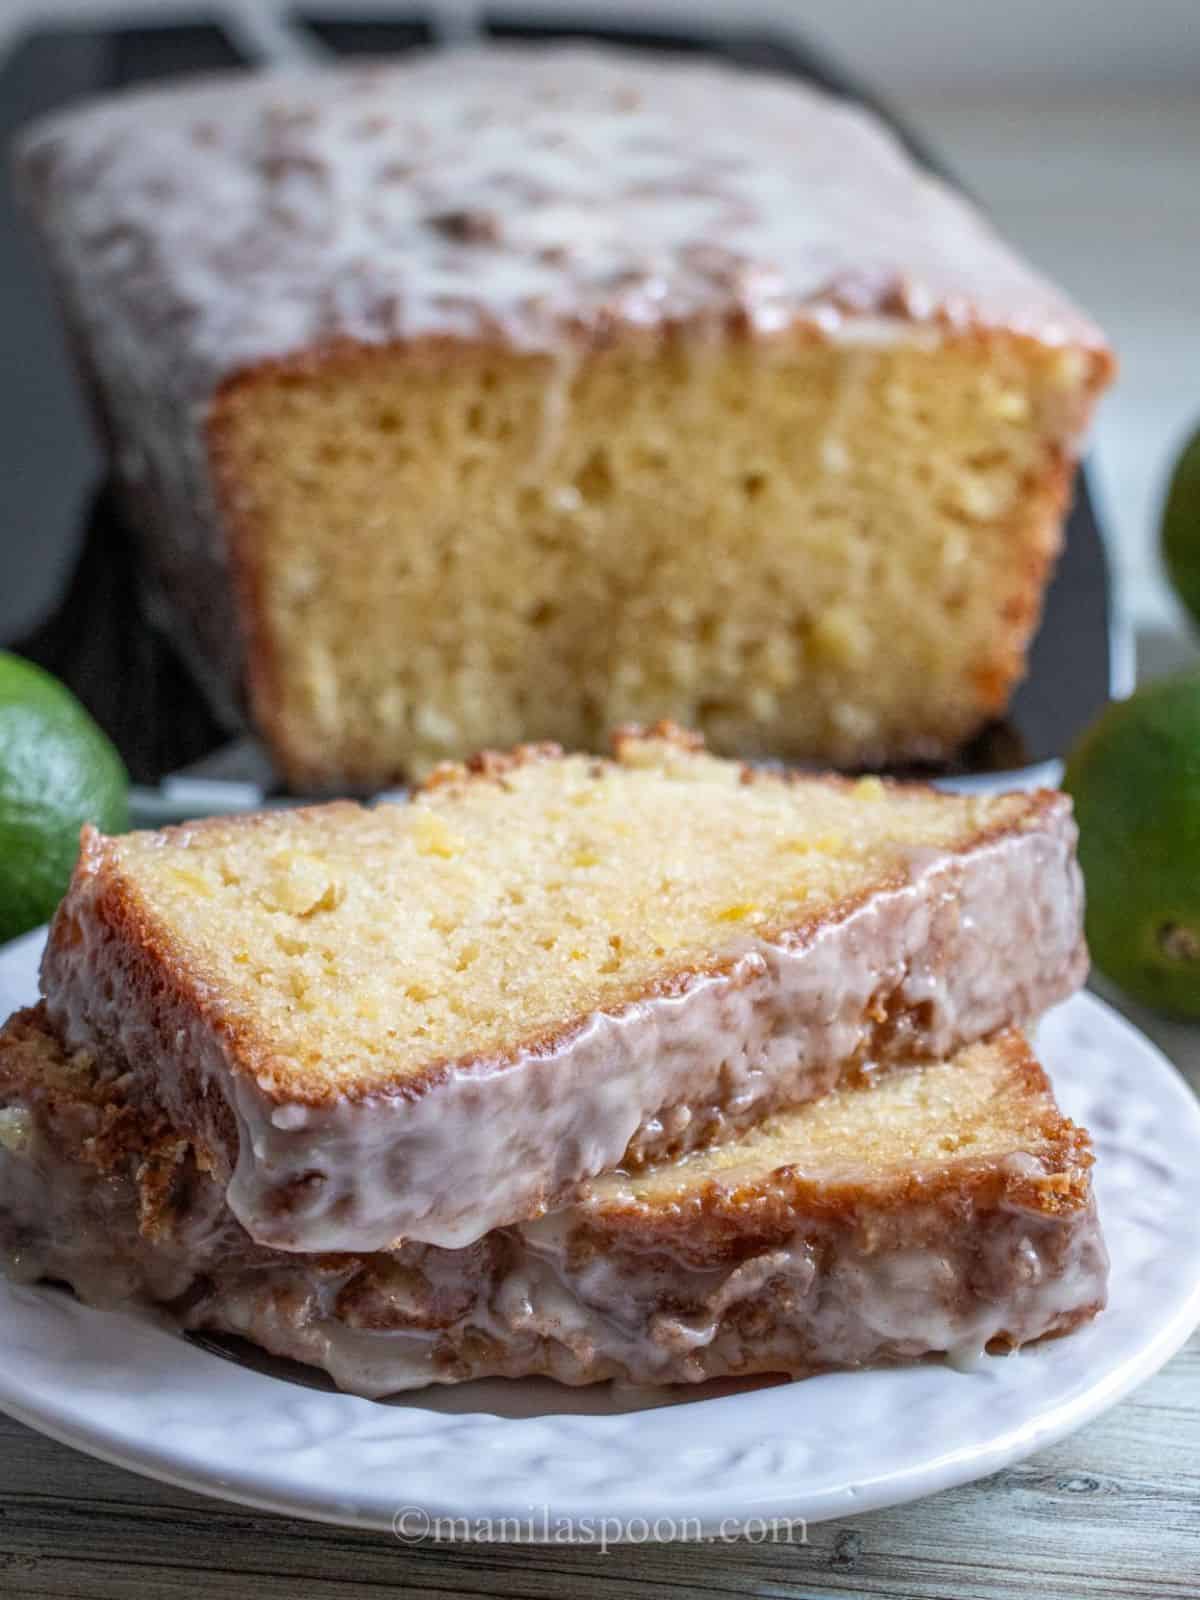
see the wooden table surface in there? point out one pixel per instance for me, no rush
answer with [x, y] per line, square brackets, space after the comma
[1113, 1511]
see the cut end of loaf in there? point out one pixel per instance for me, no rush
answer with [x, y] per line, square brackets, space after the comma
[813, 550]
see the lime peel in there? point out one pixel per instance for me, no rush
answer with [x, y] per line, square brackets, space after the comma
[58, 770]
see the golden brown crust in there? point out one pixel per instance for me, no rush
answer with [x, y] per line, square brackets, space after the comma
[730, 1217]
[494, 765]
[136, 939]
[630, 734]
[910, 1268]
[1035, 544]
[112, 1126]
[722, 1220]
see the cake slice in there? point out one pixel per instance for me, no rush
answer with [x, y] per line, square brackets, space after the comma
[937, 1209]
[425, 1021]
[512, 394]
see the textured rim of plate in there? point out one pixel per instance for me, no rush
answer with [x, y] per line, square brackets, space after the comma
[131, 1392]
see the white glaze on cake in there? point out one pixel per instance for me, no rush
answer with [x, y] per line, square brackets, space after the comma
[584, 1295]
[503, 193]
[972, 942]
[823, 1299]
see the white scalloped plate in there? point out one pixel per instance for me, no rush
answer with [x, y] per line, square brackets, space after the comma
[135, 1394]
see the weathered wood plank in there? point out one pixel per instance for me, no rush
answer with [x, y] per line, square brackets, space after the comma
[1113, 1512]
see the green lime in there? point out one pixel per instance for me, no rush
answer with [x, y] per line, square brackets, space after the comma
[57, 771]
[1135, 780]
[1181, 527]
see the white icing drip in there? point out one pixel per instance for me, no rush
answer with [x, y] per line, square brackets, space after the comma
[543, 1298]
[509, 193]
[973, 942]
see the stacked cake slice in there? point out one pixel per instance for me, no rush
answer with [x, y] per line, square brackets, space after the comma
[655, 1068]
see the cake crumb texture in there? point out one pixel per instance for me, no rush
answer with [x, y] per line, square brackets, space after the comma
[804, 550]
[346, 947]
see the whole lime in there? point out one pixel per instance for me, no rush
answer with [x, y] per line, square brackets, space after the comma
[1135, 780]
[57, 771]
[1181, 527]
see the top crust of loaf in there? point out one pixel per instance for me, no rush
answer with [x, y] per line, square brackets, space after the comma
[524, 196]
[146, 955]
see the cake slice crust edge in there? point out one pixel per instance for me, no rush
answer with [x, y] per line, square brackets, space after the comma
[783, 1271]
[972, 940]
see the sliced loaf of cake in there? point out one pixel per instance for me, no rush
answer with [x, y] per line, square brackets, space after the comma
[945, 1208]
[427, 1020]
[510, 394]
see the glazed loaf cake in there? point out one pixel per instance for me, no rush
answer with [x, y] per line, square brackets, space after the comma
[428, 1020]
[944, 1208]
[509, 395]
